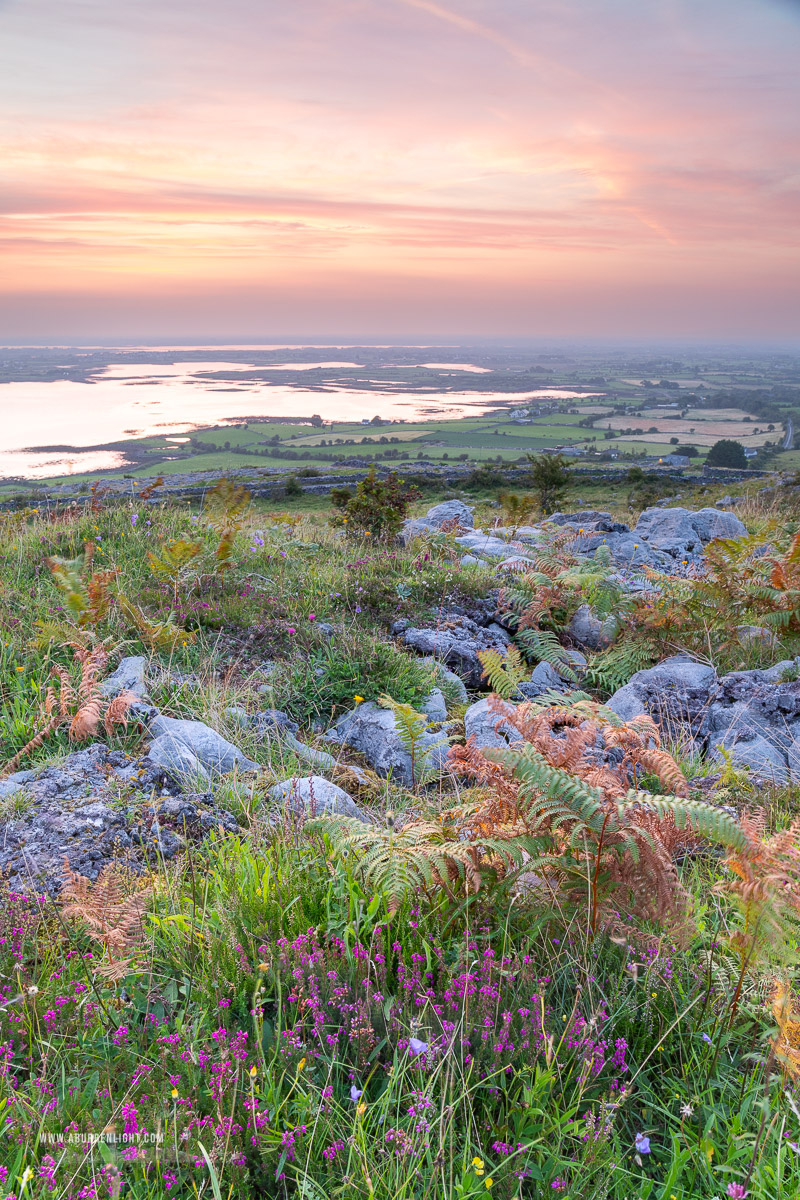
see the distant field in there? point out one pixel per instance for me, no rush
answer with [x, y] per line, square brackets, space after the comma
[203, 462]
[702, 438]
[687, 428]
[718, 414]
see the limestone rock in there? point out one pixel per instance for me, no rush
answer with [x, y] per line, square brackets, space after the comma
[587, 630]
[488, 729]
[457, 644]
[373, 732]
[675, 692]
[212, 751]
[128, 677]
[436, 517]
[314, 795]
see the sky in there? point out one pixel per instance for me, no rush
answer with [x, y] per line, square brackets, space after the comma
[262, 168]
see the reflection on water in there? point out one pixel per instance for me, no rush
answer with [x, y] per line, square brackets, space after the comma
[30, 464]
[42, 422]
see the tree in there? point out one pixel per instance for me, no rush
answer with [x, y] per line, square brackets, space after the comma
[727, 453]
[550, 478]
[316, 420]
[688, 451]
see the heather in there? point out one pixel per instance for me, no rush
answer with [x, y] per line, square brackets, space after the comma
[558, 967]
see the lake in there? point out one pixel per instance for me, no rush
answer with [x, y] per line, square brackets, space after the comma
[47, 427]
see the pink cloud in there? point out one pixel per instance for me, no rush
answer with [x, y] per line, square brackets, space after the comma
[579, 144]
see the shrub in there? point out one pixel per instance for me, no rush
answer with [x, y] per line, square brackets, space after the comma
[377, 509]
[550, 477]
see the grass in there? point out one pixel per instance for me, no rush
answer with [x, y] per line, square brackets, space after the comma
[285, 1031]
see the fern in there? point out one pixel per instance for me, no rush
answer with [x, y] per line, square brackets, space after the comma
[545, 647]
[441, 852]
[86, 593]
[409, 726]
[504, 671]
[87, 703]
[158, 635]
[612, 668]
[110, 917]
[173, 561]
[226, 506]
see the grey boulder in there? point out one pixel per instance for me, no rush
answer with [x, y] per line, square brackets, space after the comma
[314, 795]
[674, 693]
[436, 517]
[212, 751]
[174, 758]
[433, 706]
[756, 718]
[683, 534]
[487, 728]
[758, 754]
[372, 731]
[545, 678]
[484, 545]
[128, 677]
[587, 630]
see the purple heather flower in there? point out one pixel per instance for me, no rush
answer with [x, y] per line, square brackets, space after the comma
[737, 1191]
[355, 1094]
[642, 1143]
[416, 1046]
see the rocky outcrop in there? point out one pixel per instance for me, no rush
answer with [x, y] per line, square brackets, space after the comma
[96, 806]
[456, 641]
[755, 718]
[751, 717]
[675, 693]
[682, 534]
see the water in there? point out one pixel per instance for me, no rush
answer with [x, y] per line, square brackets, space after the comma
[131, 400]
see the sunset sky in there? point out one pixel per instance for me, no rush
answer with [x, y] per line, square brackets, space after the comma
[399, 167]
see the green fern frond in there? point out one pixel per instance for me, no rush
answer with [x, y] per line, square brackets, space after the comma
[504, 671]
[612, 668]
[158, 635]
[544, 646]
[703, 818]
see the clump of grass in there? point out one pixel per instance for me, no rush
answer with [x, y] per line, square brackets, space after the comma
[352, 665]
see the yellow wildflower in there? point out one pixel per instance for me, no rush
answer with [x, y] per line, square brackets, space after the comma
[362, 1108]
[358, 699]
[253, 1071]
[478, 1165]
[488, 1182]
[262, 966]
[174, 1093]
[301, 1064]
